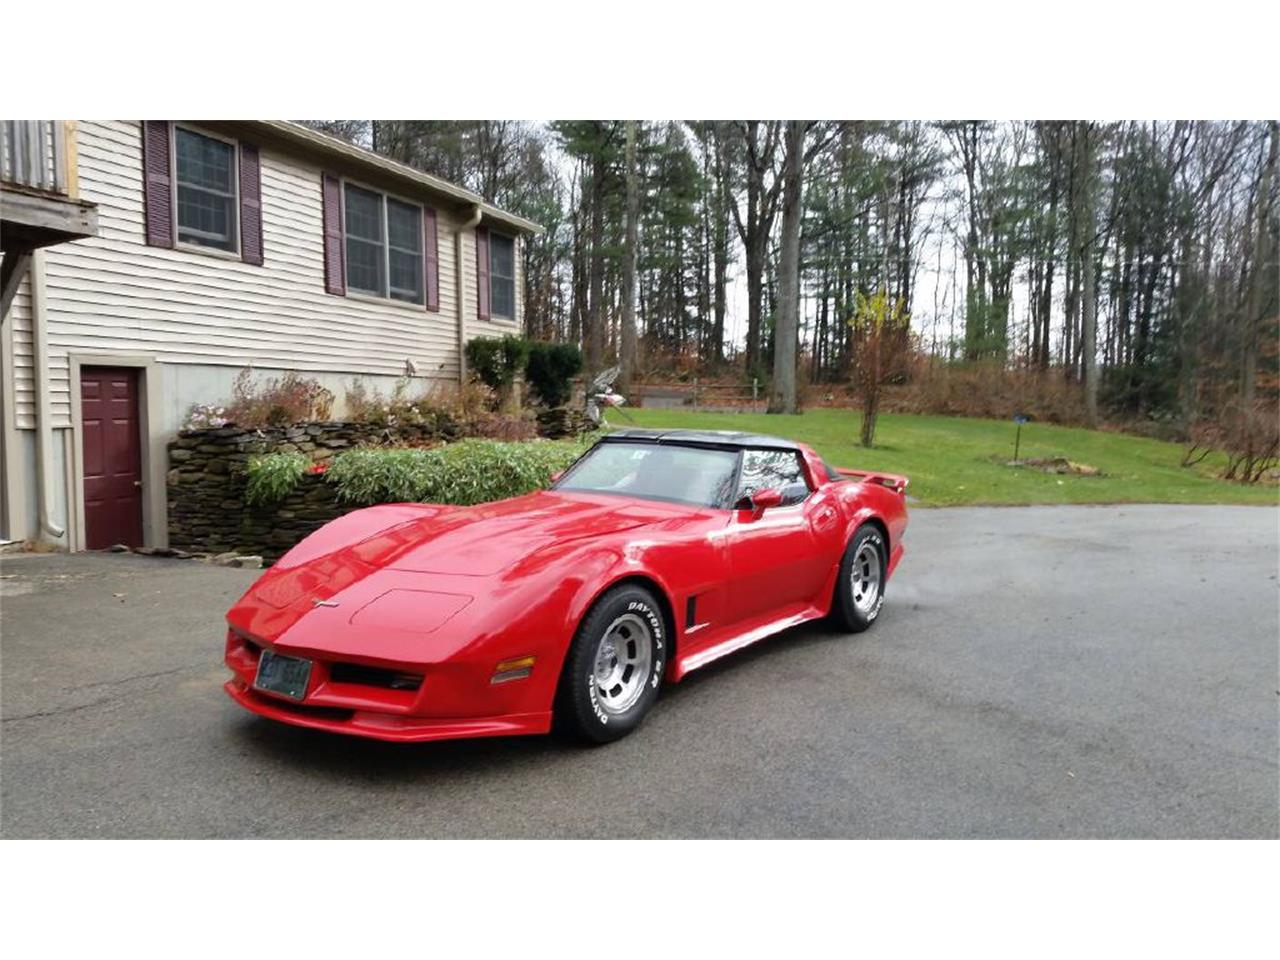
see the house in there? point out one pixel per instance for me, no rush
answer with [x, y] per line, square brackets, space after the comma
[147, 262]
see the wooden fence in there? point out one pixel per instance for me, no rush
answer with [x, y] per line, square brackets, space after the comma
[699, 396]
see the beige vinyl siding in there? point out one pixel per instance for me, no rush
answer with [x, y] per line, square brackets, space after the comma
[112, 292]
[24, 389]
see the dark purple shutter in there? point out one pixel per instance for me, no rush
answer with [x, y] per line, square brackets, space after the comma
[482, 273]
[335, 280]
[250, 205]
[157, 182]
[431, 259]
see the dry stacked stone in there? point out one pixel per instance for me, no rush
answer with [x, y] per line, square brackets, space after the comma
[562, 422]
[206, 482]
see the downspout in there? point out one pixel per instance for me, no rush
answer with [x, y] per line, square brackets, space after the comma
[471, 223]
[44, 403]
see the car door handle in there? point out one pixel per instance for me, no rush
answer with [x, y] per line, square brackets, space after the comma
[826, 515]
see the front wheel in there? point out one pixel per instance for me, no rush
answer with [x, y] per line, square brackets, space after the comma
[860, 585]
[614, 668]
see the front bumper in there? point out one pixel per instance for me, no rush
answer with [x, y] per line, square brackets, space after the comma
[378, 712]
[383, 726]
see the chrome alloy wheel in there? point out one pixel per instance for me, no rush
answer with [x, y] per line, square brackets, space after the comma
[622, 663]
[864, 577]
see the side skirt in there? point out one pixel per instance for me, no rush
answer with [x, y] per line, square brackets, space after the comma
[797, 614]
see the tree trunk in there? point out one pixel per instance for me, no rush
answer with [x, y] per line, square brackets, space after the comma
[755, 300]
[595, 318]
[629, 348]
[720, 256]
[873, 375]
[782, 397]
[1041, 358]
[755, 228]
[1259, 270]
[720, 245]
[870, 411]
[578, 313]
[975, 313]
[1070, 321]
[1089, 308]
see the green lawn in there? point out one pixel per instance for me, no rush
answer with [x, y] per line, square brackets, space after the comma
[949, 459]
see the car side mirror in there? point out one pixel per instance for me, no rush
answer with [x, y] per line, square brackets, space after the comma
[557, 475]
[762, 500]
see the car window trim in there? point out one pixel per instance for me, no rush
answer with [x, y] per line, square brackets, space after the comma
[804, 475]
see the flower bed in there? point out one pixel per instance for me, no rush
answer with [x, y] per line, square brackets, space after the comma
[260, 492]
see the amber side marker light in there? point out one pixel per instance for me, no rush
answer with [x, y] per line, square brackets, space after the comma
[508, 670]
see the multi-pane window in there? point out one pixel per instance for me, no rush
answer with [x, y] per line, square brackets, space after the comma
[205, 178]
[366, 270]
[404, 241]
[384, 245]
[502, 276]
[773, 469]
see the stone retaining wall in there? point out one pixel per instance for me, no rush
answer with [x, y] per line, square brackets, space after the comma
[206, 483]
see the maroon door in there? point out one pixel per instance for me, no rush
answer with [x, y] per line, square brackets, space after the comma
[112, 457]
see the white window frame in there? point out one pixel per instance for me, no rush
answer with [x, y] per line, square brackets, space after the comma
[515, 272]
[234, 252]
[386, 246]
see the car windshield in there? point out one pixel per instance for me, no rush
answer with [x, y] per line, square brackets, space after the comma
[700, 476]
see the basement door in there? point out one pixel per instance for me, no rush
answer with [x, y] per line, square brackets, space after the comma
[112, 456]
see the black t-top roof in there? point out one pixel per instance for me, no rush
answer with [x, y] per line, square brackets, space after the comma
[701, 438]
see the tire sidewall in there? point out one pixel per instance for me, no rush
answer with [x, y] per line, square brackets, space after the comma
[586, 711]
[852, 617]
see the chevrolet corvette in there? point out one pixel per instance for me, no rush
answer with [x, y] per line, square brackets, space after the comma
[654, 554]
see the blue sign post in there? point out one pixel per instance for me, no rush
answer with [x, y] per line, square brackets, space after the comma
[1019, 419]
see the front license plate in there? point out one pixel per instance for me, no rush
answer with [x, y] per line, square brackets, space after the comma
[286, 676]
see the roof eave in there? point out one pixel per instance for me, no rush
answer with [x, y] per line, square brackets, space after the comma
[299, 134]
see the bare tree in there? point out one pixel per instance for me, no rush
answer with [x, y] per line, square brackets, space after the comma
[595, 270]
[782, 398]
[881, 329]
[759, 154]
[1260, 272]
[353, 131]
[629, 358]
[1088, 264]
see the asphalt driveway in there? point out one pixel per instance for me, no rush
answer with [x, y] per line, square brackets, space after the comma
[1038, 672]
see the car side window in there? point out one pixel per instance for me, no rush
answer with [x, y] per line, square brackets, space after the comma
[777, 469]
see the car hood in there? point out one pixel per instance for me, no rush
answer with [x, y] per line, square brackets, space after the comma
[485, 540]
[386, 594]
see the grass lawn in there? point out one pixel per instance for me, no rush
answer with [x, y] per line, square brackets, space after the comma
[950, 459]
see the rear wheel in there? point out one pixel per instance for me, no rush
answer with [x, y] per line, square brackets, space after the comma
[860, 585]
[614, 668]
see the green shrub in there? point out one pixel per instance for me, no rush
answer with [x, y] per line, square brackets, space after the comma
[550, 369]
[273, 476]
[497, 360]
[464, 473]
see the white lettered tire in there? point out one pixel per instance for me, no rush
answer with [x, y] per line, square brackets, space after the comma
[859, 591]
[614, 669]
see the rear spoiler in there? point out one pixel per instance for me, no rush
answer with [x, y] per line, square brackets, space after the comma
[891, 480]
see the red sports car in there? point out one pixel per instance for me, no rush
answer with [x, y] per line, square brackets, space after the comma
[656, 553]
